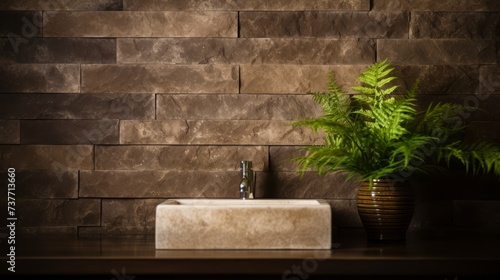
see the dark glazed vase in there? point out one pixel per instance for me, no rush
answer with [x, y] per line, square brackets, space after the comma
[386, 209]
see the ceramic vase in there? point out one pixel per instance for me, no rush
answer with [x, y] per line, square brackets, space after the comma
[386, 209]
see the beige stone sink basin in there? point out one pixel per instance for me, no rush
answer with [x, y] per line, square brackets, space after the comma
[243, 224]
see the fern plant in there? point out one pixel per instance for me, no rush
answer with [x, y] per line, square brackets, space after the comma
[377, 134]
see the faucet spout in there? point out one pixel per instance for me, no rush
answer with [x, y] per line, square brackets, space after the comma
[248, 181]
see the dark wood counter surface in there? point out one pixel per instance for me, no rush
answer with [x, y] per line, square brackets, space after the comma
[442, 255]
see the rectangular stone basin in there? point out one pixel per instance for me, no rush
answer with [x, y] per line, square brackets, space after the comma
[243, 224]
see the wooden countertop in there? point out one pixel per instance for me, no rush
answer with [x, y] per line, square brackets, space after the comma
[431, 254]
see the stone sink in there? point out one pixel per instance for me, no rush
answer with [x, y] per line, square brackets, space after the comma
[243, 224]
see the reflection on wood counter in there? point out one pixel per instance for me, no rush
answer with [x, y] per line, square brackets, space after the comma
[424, 254]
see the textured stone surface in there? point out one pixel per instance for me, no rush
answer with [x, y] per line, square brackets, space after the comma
[246, 51]
[483, 131]
[40, 78]
[489, 78]
[188, 118]
[488, 107]
[159, 78]
[204, 158]
[56, 230]
[20, 26]
[243, 5]
[293, 79]
[454, 184]
[438, 79]
[442, 51]
[432, 5]
[323, 24]
[44, 184]
[55, 158]
[281, 158]
[312, 78]
[430, 214]
[435, 187]
[116, 213]
[129, 231]
[471, 187]
[345, 213]
[476, 213]
[70, 132]
[229, 107]
[194, 132]
[59, 50]
[58, 212]
[278, 224]
[140, 24]
[77, 106]
[308, 185]
[159, 184]
[9, 132]
[455, 25]
[105, 5]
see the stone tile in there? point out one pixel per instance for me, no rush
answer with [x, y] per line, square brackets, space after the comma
[432, 5]
[476, 213]
[481, 109]
[120, 231]
[59, 50]
[203, 158]
[116, 214]
[20, 26]
[489, 79]
[429, 214]
[455, 184]
[77, 106]
[58, 212]
[9, 132]
[312, 78]
[483, 131]
[70, 132]
[62, 230]
[307, 185]
[58, 158]
[488, 108]
[453, 79]
[31, 184]
[345, 213]
[160, 78]
[236, 107]
[474, 186]
[246, 51]
[435, 186]
[100, 5]
[455, 25]
[281, 158]
[246, 5]
[212, 132]
[140, 24]
[443, 51]
[159, 184]
[296, 79]
[324, 24]
[54, 78]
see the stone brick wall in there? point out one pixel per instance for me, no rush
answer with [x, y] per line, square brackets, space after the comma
[109, 107]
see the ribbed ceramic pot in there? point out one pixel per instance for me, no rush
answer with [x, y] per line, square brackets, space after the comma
[386, 209]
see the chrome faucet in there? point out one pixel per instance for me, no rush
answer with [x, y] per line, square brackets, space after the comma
[248, 181]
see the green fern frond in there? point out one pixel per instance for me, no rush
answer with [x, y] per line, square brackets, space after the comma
[477, 157]
[376, 134]
[385, 81]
